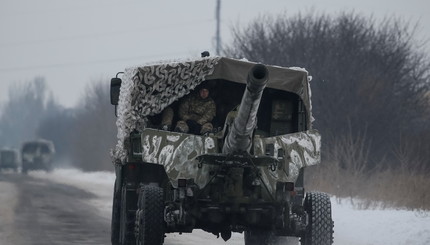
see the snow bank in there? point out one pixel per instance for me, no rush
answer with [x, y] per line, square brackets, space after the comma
[371, 227]
[352, 226]
[98, 183]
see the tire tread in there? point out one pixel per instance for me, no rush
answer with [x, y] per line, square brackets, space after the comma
[320, 228]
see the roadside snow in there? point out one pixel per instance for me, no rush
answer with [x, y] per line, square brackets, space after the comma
[388, 226]
[98, 183]
[352, 226]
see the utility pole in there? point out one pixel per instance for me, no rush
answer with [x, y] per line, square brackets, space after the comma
[218, 24]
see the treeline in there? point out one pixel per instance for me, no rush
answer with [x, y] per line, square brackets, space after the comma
[83, 136]
[370, 90]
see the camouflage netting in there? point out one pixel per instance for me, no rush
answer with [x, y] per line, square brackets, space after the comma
[149, 89]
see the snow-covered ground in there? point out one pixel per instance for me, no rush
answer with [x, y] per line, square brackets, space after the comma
[379, 226]
[352, 226]
[98, 183]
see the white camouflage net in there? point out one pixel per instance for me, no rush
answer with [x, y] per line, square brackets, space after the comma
[149, 89]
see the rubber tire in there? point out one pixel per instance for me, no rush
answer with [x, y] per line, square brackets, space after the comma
[319, 230]
[116, 210]
[257, 237]
[267, 238]
[150, 216]
[126, 225]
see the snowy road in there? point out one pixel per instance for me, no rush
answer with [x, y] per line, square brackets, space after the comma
[74, 208]
[40, 212]
[67, 207]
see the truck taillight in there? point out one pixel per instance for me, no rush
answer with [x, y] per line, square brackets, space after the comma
[131, 166]
[182, 182]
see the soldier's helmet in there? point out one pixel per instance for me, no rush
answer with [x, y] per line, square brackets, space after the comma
[209, 85]
[203, 87]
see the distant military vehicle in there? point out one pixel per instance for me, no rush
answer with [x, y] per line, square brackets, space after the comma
[245, 176]
[9, 159]
[37, 155]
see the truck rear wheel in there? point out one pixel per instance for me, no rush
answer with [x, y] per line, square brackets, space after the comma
[150, 223]
[127, 214]
[319, 230]
[116, 209]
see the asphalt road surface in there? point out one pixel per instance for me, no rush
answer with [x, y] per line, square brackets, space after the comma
[39, 212]
[42, 211]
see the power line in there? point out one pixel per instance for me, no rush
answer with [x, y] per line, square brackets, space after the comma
[102, 34]
[60, 10]
[23, 68]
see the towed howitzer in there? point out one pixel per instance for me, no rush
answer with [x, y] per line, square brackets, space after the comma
[239, 137]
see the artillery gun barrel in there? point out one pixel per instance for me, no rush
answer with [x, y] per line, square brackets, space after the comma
[239, 137]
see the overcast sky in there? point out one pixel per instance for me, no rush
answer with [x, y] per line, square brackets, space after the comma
[73, 43]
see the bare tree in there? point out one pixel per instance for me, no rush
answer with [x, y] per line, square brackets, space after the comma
[94, 130]
[24, 111]
[368, 76]
[83, 136]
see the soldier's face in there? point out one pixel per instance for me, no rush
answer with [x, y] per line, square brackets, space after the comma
[204, 93]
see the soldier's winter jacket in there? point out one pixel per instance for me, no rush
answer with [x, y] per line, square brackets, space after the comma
[197, 109]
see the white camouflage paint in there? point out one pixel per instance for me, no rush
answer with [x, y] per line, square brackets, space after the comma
[301, 149]
[177, 153]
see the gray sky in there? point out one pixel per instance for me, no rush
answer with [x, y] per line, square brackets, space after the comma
[73, 43]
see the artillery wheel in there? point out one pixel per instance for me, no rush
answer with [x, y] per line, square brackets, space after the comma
[150, 223]
[319, 230]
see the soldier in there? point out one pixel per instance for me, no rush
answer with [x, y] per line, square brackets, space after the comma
[167, 118]
[196, 113]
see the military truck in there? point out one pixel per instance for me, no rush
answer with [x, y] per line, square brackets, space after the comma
[37, 155]
[9, 159]
[246, 176]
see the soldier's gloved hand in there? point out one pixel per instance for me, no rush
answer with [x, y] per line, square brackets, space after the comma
[192, 123]
[201, 121]
[165, 127]
[194, 127]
